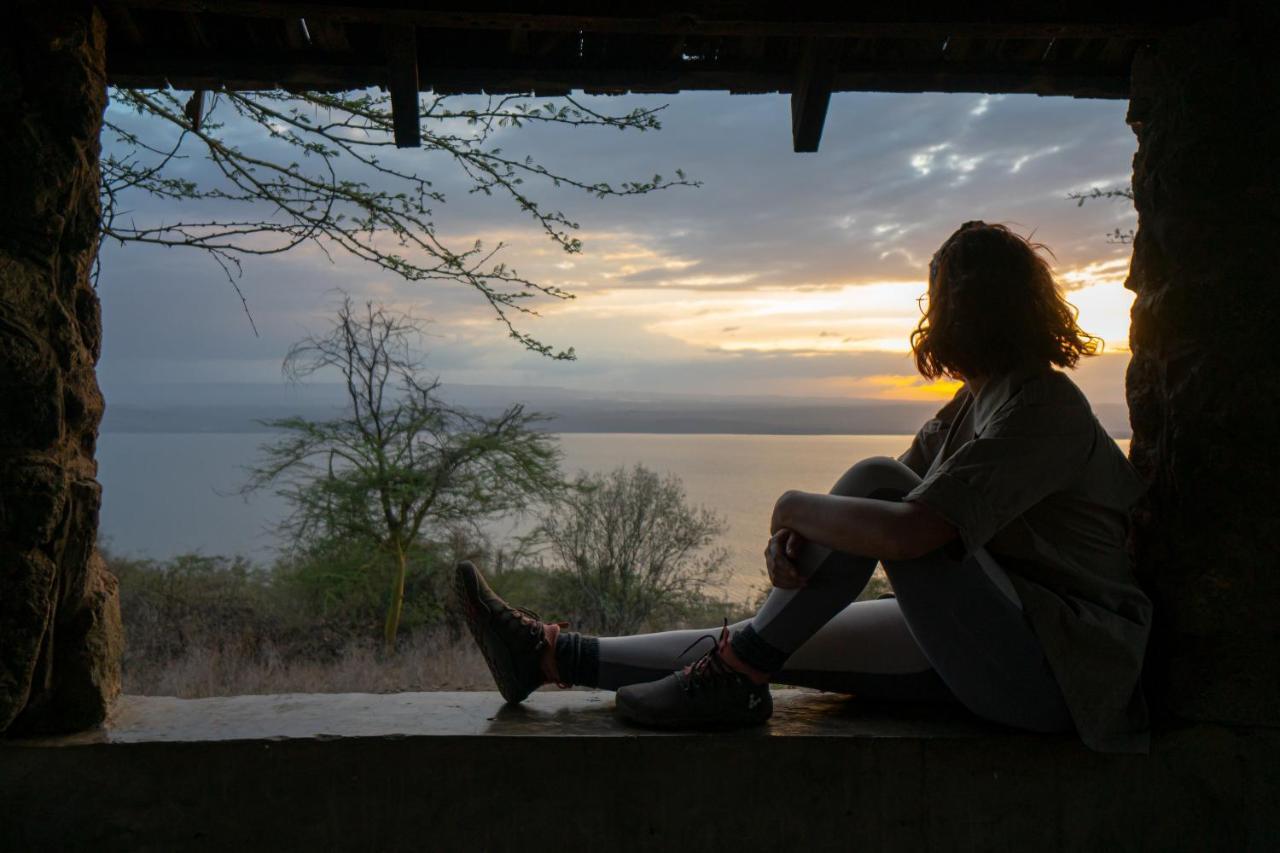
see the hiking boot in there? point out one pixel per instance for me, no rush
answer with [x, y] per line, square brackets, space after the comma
[706, 693]
[513, 640]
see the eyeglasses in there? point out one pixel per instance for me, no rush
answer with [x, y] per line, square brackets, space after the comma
[921, 301]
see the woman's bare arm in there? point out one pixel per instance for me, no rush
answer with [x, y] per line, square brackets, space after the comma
[888, 530]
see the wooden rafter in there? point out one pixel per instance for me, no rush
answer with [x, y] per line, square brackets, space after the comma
[331, 72]
[326, 34]
[194, 110]
[402, 81]
[815, 76]
[1043, 47]
[121, 23]
[296, 34]
[915, 20]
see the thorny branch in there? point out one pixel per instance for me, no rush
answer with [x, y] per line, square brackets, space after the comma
[349, 197]
[1116, 236]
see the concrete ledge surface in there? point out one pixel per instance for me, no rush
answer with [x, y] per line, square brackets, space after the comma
[464, 771]
[546, 713]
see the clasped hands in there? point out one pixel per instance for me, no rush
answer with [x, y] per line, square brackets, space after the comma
[781, 552]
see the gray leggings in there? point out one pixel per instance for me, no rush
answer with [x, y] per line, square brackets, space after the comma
[954, 633]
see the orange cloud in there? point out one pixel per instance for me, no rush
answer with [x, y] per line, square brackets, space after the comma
[901, 387]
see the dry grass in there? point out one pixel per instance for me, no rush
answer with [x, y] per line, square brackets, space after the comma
[430, 660]
[190, 647]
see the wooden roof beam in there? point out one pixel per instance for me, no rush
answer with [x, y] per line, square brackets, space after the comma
[914, 20]
[336, 72]
[327, 34]
[812, 92]
[121, 24]
[402, 82]
[296, 34]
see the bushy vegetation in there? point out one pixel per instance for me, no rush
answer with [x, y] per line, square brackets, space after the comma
[385, 498]
[200, 625]
[626, 550]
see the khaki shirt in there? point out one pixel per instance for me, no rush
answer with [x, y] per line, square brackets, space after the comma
[1025, 470]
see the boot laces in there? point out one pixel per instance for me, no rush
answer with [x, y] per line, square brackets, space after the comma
[710, 669]
[530, 619]
[537, 632]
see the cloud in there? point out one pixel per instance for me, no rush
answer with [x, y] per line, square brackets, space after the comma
[781, 271]
[900, 387]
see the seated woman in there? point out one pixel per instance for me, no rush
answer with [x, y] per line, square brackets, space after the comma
[1002, 530]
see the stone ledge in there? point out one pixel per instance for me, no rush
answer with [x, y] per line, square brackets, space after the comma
[462, 771]
[546, 713]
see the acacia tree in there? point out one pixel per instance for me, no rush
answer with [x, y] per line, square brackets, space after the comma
[626, 545]
[317, 174]
[400, 461]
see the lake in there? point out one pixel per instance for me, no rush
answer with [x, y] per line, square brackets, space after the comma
[169, 493]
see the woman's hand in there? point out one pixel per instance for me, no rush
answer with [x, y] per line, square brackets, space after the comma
[783, 508]
[779, 557]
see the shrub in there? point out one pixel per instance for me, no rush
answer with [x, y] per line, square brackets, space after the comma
[193, 600]
[627, 550]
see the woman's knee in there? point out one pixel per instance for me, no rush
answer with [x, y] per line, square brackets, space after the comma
[876, 474]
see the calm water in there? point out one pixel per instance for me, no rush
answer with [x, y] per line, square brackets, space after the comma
[165, 494]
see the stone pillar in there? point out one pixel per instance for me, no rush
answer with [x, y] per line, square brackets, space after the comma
[1204, 382]
[60, 635]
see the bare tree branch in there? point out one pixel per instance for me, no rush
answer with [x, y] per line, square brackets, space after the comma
[1116, 236]
[350, 198]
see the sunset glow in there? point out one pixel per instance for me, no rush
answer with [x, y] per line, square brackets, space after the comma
[782, 274]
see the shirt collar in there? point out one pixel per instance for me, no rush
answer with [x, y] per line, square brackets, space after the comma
[998, 390]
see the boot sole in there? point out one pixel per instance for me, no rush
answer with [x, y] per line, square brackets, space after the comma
[643, 718]
[495, 652]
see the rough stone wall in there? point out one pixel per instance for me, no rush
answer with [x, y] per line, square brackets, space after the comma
[1203, 387]
[60, 635]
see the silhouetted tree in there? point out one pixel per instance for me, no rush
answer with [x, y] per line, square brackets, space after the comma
[399, 461]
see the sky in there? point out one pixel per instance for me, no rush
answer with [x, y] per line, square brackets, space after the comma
[781, 274]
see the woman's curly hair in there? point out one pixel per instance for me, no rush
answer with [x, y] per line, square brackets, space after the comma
[994, 306]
